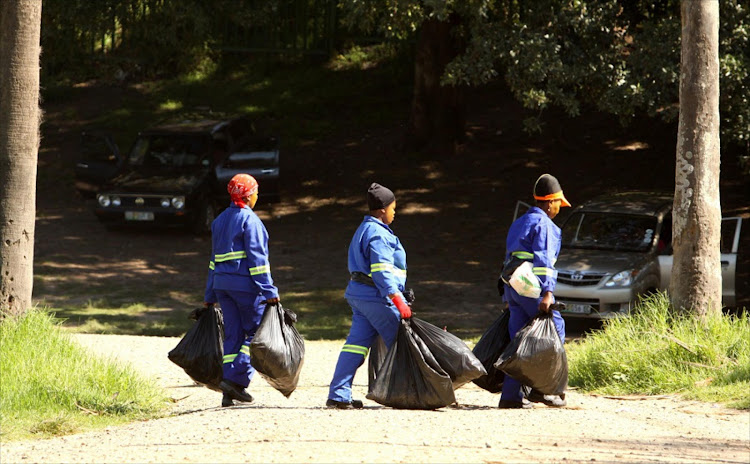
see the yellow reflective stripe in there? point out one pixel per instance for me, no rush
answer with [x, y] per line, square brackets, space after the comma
[382, 267]
[211, 265]
[523, 254]
[543, 271]
[229, 358]
[229, 256]
[265, 269]
[356, 349]
[245, 349]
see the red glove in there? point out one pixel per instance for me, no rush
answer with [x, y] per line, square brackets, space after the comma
[402, 307]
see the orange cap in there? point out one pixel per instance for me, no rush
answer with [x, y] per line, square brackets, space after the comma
[547, 187]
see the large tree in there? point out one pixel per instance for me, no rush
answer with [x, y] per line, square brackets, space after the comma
[696, 272]
[20, 24]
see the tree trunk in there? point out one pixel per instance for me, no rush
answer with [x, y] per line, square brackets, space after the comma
[696, 273]
[438, 114]
[20, 24]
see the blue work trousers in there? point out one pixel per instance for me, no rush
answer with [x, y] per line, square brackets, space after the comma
[522, 310]
[242, 312]
[369, 319]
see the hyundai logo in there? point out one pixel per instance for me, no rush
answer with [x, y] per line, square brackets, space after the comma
[577, 276]
[139, 201]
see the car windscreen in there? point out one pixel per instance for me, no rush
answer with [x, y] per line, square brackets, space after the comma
[177, 151]
[608, 231]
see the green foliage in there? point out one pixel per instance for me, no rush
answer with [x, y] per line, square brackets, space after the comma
[622, 58]
[51, 386]
[655, 351]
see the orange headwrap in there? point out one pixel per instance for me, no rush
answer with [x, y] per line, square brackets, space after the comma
[240, 187]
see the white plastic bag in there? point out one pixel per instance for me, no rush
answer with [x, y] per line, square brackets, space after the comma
[525, 282]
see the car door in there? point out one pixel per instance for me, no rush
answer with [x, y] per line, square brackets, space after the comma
[730, 242]
[521, 208]
[99, 160]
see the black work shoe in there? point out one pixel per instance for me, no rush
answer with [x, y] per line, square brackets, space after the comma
[226, 401]
[353, 404]
[553, 401]
[235, 392]
[508, 404]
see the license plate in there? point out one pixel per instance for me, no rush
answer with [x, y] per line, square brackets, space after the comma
[139, 216]
[577, 308]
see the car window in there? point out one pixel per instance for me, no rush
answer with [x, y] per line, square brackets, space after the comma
[730, 228]
[94, 148]
[607, 231]
[169, 150]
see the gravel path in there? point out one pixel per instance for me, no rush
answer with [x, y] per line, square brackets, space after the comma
[300, 429]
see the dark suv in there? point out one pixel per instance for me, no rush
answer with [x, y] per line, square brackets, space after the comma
[176, 174]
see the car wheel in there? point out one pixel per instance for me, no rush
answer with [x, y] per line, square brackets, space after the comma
[203, 219]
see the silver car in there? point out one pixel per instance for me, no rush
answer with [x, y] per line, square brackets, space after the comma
[617, 247]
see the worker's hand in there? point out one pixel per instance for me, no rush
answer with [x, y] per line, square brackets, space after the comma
[271, 301]
[401, 305]
[197, 312]
[547, 300]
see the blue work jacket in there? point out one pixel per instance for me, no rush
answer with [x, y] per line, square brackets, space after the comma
[376, 251]
[239, 256]
[534, 237]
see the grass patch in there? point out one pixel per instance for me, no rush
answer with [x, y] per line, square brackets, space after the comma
[654, 351]
[53, 386]
[322, 315]
[296, 101]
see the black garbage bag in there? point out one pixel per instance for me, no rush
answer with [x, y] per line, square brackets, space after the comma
[488, 349]
[378, 350]
[201, 351]
[410, 377]
[450, 352]
[278, 350]
[536, 357]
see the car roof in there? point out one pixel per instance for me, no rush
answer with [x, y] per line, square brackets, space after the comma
[634, 202]
[203, 126]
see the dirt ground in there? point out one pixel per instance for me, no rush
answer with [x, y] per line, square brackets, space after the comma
[452, 217]
[301, 429]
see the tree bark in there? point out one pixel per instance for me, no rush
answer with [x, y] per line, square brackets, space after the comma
[20, 24]
[438, 115]
[696, 274]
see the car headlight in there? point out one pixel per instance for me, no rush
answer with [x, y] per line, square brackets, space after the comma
[178, 202]
[103, 200]
[116, 201]
[621, 279]
[164, 202]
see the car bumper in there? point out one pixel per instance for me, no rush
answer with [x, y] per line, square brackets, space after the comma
[166, 217]
[594, 302]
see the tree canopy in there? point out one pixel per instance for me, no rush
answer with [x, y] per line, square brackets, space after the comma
[619, 57]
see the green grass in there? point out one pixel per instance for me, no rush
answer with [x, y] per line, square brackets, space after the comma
[52, 386]
[297, 101]
[322, 314]
[657, 352]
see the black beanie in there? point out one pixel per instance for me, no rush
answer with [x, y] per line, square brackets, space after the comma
[379, 197]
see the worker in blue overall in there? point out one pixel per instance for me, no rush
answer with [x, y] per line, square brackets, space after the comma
[377, 267]
[239, 279]
[534, 237]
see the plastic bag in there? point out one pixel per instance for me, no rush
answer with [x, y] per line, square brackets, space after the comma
[410, 377]
[451, 353]
[278, 350]
[201, 351]
[375, 360]
[525, 282]
[488, 349]
[536, 357]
